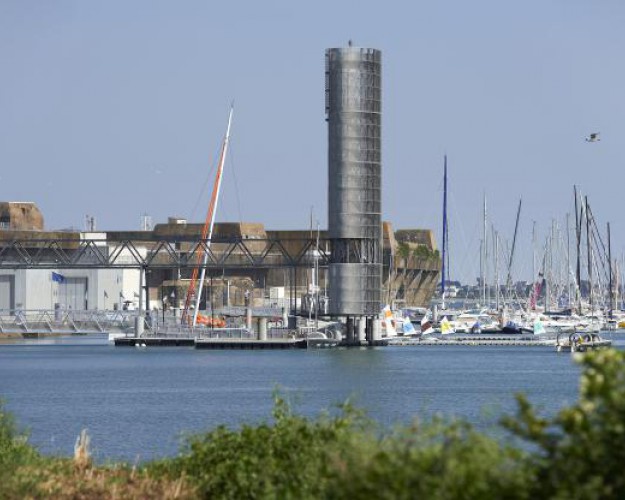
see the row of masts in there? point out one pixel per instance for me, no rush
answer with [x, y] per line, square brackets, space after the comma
[552, 275]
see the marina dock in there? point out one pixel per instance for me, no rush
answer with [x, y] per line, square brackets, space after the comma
[210, 343]
[218, 338]
[475, 340]
[250, 344]
[155, 341]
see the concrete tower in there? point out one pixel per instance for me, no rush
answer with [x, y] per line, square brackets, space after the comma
[353, 113]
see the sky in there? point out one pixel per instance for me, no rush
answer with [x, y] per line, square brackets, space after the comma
[117, 109]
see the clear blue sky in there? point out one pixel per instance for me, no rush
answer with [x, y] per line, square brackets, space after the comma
[116, 108]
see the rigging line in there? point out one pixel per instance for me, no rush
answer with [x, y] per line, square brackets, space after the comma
[203, 189]
[464, 259]
[236, 184]
[600, 256]
[596, 239]
[596, 231]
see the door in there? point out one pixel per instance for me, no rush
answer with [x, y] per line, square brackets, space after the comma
[73, 293]
[7, 292]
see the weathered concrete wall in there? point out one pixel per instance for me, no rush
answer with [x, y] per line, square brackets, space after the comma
[417, 236]
[20, 216]
[411, 266]
[67, 240]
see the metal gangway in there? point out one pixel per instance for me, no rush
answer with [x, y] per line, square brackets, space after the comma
[41, 322]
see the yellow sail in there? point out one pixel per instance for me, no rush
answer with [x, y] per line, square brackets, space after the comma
[446, 326]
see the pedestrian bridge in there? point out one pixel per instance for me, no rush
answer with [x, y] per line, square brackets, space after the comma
[46, 322]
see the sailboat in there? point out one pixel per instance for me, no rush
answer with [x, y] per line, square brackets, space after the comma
[446, 326]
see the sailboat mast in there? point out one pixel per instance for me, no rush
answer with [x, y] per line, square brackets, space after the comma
[547, 267]
[443, 267]
[516, 228]
[484, 254]
[589, 252]
[207, 231]
[578, 268]
[610, 269]
[496, 236]
[568, 261]
[212, 211]
[534, 298]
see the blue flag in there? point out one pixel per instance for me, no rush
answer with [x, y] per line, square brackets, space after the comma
[59, 278]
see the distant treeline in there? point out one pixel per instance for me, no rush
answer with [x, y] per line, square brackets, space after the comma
[579, 453]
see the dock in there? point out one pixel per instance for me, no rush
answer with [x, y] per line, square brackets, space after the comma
[217, 338]
[250, 344]
[155, 341]
[475, 340]
[210, 343]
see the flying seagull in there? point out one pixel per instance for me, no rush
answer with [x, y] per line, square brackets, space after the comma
[594, 137]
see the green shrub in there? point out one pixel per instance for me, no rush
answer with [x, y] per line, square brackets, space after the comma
[290, 458]
[346, 457]
[437, 459]
[580, 453]
[16, 454]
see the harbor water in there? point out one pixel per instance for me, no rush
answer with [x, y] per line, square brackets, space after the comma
[138, 404]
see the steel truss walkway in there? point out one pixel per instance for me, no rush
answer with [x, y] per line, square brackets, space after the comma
[178, 253]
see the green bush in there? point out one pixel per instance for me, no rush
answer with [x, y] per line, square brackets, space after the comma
[580, 453]
[291, 458]
[347, 457]
[438, 459]
[16, 454]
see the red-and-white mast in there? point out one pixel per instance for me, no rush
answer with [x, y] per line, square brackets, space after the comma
[207, 233]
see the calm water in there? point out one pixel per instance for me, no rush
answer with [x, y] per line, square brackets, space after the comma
[138, 403]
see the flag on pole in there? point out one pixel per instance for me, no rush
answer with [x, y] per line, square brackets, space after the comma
[59, 278]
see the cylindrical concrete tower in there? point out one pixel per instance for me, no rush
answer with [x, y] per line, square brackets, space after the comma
[353, 113]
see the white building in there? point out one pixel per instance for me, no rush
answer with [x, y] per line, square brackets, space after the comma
[77, 289]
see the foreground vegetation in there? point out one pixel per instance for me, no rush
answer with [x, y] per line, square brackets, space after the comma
[579, 453]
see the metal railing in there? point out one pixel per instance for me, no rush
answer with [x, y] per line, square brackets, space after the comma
[65, 321]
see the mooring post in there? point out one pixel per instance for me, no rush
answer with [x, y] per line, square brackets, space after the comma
[285, 317]
[349, 327]
[262, 328]
[362, 323]
[248, 318]
[375, 334]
